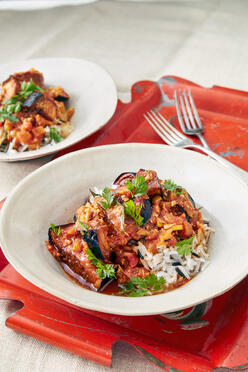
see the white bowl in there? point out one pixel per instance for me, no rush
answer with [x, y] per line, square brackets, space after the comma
[52, 193]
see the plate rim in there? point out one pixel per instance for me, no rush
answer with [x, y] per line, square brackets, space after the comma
[30, 155]
[101, 306]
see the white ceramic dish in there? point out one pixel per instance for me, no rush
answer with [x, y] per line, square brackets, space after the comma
[52, 193]
[92, 90]
[25, 5]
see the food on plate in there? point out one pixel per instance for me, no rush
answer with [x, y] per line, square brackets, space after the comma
[32, 115]
[139, 237]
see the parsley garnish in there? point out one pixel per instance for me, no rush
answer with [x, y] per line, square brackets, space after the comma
[138, 184]
[138, 287]
[28, 88]
[54, 135]
[6, 114]
[171, 186]
[14, 104]
[56, 230]
[103, 270]
[84, 225]
[129, 209]
[185, 246]
[108, 196]
[130, 186]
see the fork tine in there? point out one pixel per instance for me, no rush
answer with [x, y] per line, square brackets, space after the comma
[152, 122]
[179, 115]
[167, 126]
[164, 129]
[170, 136]
[191, 118]
[174, 134]
[197, 118]
[185, 116]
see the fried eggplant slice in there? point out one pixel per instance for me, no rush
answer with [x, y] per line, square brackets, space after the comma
[66, 246]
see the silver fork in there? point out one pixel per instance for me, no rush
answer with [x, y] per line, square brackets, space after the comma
[173, 137]
[188, 117]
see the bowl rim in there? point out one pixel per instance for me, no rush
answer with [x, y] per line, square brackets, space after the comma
[101, 307]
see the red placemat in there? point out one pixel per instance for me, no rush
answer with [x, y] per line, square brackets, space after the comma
[209, 335]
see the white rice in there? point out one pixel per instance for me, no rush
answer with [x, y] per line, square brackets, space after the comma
[162, 262]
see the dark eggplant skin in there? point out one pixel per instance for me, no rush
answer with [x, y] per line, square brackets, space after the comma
[146, 210]
[192, 200]
[32, 99]
[161, 188]
[61, 98]
[123, 177]
[90, 237]
[178, 210]
[139, 254]
[132, 242]
[105, 282]
[50, 232]
[50, 236]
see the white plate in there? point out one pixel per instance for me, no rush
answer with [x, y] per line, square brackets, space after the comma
[52, 193]
[92, 90]
[39, 4]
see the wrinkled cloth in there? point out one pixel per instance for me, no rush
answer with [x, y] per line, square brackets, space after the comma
[203, 41]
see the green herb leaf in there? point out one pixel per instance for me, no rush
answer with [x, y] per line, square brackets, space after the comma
[28, 87]
[138, 184]
[14, 104]
[54, 135]
[130, 210]
[171, 186]
[56, 230]
[138, 287]
[11, 108]
[84, 225]
[185, 246]
[108, 196]
[4, 115]
[18, 107]
[130, 186]
[103, 270]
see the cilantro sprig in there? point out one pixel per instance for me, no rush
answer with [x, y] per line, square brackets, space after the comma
[171, 186]
[132, 211]
[184, 247]
[138, 287]
[84, 225]
[138, 186]
[108, 196]
[103, 270]
[13, 105]
[56, 230]
[54, 135]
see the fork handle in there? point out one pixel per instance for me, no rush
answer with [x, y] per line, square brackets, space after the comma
[243, 174]
[203, 141]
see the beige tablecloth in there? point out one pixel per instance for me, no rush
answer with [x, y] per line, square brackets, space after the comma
[204, 41]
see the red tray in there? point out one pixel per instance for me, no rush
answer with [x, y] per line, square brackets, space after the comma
[209, 335]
